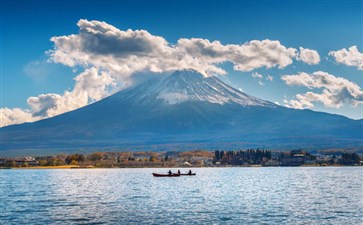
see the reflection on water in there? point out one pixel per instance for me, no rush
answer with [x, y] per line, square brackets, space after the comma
[214, 196]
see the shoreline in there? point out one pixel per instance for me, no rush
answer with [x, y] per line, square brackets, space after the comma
[249, 166]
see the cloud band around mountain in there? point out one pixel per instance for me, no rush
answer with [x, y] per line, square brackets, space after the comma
[126, 52]
[110, 57]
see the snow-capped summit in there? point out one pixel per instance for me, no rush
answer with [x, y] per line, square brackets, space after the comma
[190, 85]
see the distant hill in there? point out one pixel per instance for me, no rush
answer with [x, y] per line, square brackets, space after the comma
[175, 112]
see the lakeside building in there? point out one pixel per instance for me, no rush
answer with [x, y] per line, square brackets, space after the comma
[26, 161]
[294, 160]
[272, 163]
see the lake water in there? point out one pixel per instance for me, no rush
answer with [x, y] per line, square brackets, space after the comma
[300, 195]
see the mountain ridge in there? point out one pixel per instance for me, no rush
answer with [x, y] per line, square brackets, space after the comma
[184, 107]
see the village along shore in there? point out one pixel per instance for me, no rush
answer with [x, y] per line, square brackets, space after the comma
[195, 158]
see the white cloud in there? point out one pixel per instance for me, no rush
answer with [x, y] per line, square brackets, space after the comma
[350, 57]
[308, 56]
[15, 116]
[109, 58]
[126, 52]
[260, 77]
[335, 91]
[91, 85]
[41, 104]
[257, 75]
[245, 57]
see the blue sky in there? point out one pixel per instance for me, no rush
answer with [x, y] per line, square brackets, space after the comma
[324, 26]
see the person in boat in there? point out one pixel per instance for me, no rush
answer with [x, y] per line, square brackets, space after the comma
[190, 172]
[179, 172]
[169, 172]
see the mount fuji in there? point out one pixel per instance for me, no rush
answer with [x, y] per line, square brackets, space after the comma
[180, 111]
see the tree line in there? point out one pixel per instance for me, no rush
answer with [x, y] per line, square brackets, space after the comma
[249, 156]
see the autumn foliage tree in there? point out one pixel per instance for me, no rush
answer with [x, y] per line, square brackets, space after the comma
[75, 157]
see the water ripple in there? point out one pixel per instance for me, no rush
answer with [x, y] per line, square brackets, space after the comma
[214, 196]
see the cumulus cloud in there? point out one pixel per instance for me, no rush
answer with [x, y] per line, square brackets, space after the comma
[308, 56]
[126, 52]
[16, 116]
[110, 57]
[350, 57]
[91, 85]
[334, 91]
[245, 57]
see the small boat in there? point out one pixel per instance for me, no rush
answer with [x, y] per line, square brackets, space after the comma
[166, 175]
[187, 174]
